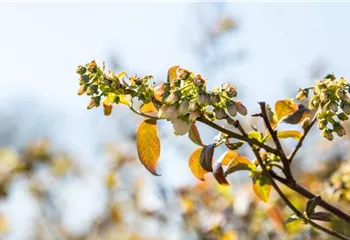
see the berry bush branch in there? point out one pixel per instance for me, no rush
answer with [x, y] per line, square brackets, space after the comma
[184, 100]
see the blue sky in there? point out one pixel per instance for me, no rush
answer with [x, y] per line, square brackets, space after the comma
[42, 43]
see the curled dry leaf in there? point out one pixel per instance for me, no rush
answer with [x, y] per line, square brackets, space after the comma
[193, 134]
[148, 144]
[219, 175]
[195, 166]
[206, 157]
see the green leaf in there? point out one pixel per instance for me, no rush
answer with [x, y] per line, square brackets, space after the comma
[148, 145]
[234, 146]
[193, 134]
[255, 135]
[206, 157]
[240, 163]
[261, 186]
[291, 219]
[311, 205]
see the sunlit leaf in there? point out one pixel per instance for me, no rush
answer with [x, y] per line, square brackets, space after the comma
[219, 175]
[148, 108]
[240, 163]
[121, 75]
[124, 100]
[261, 187]
[148, 144]
[285, 107]
[206, 157]
[172, 73]
[255, 135]
[287, 134]
[228, 156]
[193, 134]
[195, 166]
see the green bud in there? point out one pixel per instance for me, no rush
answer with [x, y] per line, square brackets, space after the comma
[324, 95]
[305, 123]
[345, 106]
[342, 116]
[339, 129]
[315, 101]
[84, 78]
[183, 108]
[203, 99]
[302, 94]
[241, 108]
[173, 97]
[81, 90]
[232, 92]
[340, 93]
[322, 124]
[332, 106]
[214, 98]
[106, 81]
[331, 76]
[327, 133]
[81, 70]
[231, 108]
[219, 113]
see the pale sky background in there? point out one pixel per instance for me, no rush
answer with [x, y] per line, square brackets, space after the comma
[42, 43]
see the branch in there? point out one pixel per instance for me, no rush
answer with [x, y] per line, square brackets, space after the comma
[274, 136]
[300, 143]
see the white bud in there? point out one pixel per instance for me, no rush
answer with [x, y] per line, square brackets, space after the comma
[181, 127]
[183, 108]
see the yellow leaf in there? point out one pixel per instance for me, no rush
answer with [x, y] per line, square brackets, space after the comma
[148, 108]
[286, 134]
[228, 156]
[240, 163]
[148, 145]
[195, 166]
[172, 73]
[285, 107]
[193, 134]
[121, 75]
[124, 100]
[261, 187]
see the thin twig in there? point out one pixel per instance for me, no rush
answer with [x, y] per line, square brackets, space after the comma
[274, 136]
[300, 143]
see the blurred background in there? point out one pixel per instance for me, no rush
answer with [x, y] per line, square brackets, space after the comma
[69, 173]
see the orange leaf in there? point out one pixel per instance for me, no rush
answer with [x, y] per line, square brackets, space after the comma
[228, 156]
[195, 165]
[285, 107]
[148, 144]
[148, 108]
[193, 134]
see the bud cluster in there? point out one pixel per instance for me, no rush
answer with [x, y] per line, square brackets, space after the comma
[181, 100]
[340, 182]
[330, 98]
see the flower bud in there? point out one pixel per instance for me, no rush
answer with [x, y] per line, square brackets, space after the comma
[339, 129]
[162, 110]
[183, 108]
[219, 113]
[332, 106]
[241, 109]
[193, 106]
[192, 117]
[324, 95]
[302, 94]
[342, 116]
[322, 124]
[345, 106]
[183, 73]
[305, 123]
[159, 90]
[173, 97]
[81, 90]
[84, 78]
[94, 102]
[315, 101]
[81, 70]
[203, 99]
[214, 98]
[340, 93]
[231, 108]
[107, 108]
[327, 133]
[232, 92]
[198, 80]
[181, 127]
[171, 113]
